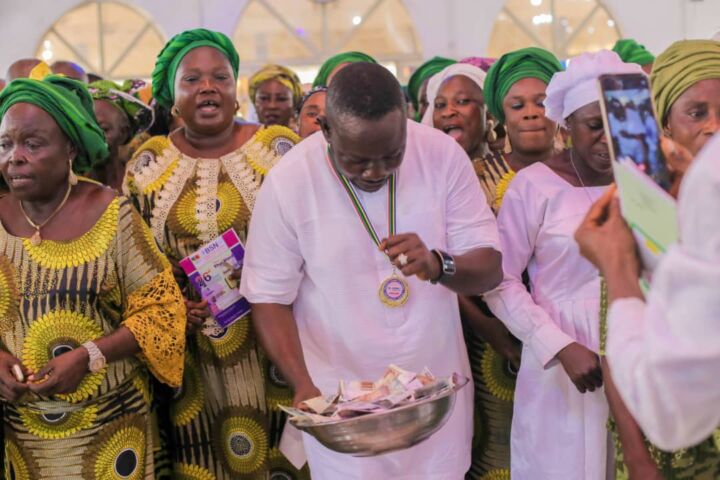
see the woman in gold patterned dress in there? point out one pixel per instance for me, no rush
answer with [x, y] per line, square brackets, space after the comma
[88, 304]
[190, 187]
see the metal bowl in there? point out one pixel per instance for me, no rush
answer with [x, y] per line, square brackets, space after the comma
[388, 431]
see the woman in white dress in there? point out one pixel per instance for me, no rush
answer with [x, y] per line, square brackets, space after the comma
[558, 430]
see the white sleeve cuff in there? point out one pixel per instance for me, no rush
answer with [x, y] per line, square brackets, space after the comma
[547, 341]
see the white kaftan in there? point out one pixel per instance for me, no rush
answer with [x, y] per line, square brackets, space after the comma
[307, 247]
[557, 432]
[665, 356]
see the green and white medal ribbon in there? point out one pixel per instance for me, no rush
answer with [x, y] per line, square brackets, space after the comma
[394, 291]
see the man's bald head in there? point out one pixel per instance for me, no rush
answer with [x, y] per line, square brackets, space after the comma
[21, 68]
[364, 90]
[70, 70]
[365, 124]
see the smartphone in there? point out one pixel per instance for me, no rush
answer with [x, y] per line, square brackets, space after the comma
[639, 167]
[630, 124]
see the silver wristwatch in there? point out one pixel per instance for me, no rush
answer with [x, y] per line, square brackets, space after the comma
[96, 359]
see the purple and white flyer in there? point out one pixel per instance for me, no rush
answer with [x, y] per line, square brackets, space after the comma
[210, 271]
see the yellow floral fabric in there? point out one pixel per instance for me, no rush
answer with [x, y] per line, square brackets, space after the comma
[222, 422]
[62, 295]
[493, 376]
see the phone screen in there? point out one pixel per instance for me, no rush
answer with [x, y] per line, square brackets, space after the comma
[633, 132]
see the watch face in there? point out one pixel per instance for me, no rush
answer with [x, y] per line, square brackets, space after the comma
[450, 270]
[448, 265]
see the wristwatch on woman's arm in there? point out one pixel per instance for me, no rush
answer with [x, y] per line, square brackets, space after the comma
[96, 359]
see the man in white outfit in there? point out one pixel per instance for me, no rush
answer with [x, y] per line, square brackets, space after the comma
[339, 293]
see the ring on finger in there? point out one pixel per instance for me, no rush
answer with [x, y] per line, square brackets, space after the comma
[402, 259]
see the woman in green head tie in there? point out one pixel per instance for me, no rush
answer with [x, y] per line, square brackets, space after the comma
[686, 88]
[514, 92]
[191, 186]
[88, 304]
[417, 85]
[335, 63]
[685, 84]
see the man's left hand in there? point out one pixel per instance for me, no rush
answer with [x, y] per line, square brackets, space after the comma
[410, 255]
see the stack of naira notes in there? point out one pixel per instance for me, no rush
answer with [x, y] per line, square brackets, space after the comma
[396, 388]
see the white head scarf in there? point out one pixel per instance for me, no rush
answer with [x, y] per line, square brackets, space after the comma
[465, 69]
[577, 86]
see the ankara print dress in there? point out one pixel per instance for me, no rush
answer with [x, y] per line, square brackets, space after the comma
[225, 420]
[54, 297]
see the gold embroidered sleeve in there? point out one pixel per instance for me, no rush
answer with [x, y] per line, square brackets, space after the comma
[154, 310]
[155, 314]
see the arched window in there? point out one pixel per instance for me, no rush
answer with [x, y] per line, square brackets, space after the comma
[565, 27]
[110, 39]
[303, 33]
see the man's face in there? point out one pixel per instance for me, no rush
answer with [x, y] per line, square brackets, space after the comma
[367, 152]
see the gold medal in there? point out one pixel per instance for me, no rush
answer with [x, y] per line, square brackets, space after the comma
[394, 291]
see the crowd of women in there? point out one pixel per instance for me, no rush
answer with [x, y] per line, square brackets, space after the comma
[113, 367]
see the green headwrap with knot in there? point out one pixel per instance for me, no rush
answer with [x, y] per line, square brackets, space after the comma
[169, 58]
[631, 51]
[332, 62]
[531, 62]
[680, 67]
[71, 106]
[423, 72]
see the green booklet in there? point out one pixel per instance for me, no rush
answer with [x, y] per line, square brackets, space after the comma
[649, 210]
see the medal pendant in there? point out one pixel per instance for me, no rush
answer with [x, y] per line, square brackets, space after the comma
[394, 291]
[36, 239]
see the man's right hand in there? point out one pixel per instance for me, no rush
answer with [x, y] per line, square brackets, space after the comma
[305, 393]
[10, 389]
[582, 366]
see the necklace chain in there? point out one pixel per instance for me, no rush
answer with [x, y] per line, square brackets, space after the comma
[36, 238]
[572, 162]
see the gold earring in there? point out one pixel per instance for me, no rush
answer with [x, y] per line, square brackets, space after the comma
[175, 111]
[237, 106]
[72, 178]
